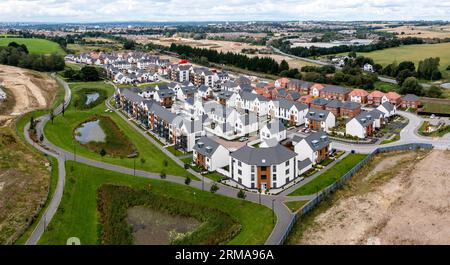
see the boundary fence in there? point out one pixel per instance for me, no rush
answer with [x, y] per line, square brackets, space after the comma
[337, 184]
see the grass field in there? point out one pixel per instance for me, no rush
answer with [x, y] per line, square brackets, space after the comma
[329, 176]
[60, 133]
[436, 108]
[35, 46]
[295, 205]
[413, 53]
[77, 214]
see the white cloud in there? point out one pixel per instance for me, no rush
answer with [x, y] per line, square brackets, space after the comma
[208, 10]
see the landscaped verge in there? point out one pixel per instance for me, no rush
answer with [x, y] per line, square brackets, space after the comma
[329, 176]
[114, 201]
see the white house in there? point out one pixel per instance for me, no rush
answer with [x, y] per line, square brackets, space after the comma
[263, 168]
[274, 129]
[361, 126]
[210, 154]
[245, 124]
[388, 109]
[368, 67]
[204, 91]
[187, 132]
[292, 111]
[315, 147]
[319, 120]
[252, 102]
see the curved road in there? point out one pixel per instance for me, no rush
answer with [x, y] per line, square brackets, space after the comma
[284, 216]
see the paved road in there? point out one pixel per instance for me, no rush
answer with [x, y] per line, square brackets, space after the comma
[56, 199]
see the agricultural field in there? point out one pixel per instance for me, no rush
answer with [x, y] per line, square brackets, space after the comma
[78, 215]
[436, 107]
[35, 46]
[413, 53]
[85, 48]
[397, 198]
[149, 157]
[434, 31]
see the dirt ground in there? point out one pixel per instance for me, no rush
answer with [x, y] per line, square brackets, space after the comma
[31, 91]
[436, 31]
[412, 207]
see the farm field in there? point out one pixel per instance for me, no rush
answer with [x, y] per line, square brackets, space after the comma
[35, 46]
[396, 199]
[413, 53]
[60, 133]
[77, 214]
[434, 31]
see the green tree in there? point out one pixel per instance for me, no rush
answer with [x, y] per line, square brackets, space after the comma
[407, 65]
[434, 92]
[429, 69]
[284, 66]
[411, 86]
[403, 74]
[89, 73]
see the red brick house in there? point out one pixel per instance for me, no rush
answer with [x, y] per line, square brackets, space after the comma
[335, 92]
[394, 98]
[410, 101]
[376, 98]
[350, 109]
[358, 95]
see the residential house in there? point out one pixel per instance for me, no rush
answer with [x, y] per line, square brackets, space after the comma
[319, 103]
[376, 98]
[315, 147]
[350, 109]
[358, 95]
[394, 98]
[291, 111]
[282, 82]
[320, 120]
[273, 130]
[209, 154]
[361, 126]
[334, 92]
[410, 101]
[388, 109]
[315, 89]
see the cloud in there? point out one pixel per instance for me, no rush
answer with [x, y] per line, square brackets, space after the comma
[210, 10]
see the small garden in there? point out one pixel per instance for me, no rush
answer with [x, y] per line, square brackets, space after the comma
[427, 129]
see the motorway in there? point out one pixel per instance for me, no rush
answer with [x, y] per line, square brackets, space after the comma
[283, 214]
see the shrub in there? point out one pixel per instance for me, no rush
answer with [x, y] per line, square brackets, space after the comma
[214, 188]
[187, 180]
[162, 175]
[241, 194]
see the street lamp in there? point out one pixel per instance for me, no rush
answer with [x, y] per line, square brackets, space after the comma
[273, 211]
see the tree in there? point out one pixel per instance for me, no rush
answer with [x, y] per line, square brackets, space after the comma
[429, 69]
[411, 86]
[129, 45]
[407, 65]
[434, 92]
[352, 54]
[162, 175]
[102, 152]
[89, 73]
[403, 74]
[241, 194]
[214, 188]
[187, 180]
[142, 160]
[284, 66]
[52, 115]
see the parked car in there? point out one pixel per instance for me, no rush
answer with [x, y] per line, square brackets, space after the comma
[243, 139]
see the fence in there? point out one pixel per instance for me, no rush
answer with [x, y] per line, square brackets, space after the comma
[328, 190]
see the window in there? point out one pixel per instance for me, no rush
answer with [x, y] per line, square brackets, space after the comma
[239, 172]
[274, 168]
[274, 185]
[274, 177]
[263, 177]
[253, 185]
[287, 180]
[239, 163]
[253, 177]
[287, 171]
[239, 180]
[287, 163]
[253, 168]
[263, 168]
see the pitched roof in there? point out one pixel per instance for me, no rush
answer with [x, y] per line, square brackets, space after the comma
[388, 106]
[410, 97]
[263, 156]
[317, 140]
[275, 126]
[365, 119]
[320, 101]
[392, 95]
[206, 146]
[334, 104]
[357, 92]
[350, 105]
[335, 89]
[317, 114]
[376, 94]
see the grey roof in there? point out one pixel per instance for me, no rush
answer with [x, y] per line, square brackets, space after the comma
[317, 140]
[317, 114]
[263, 156]
[131, 95]
[320, 101]
[206, 146]
[252, 96]
[242, 80]
[296, 139]
[203, 88]
[410, 97]
[365, 119]
[295, 95]
[376, 114]
[334, 104]
[224, 94]
[282, 93]
[163, 113]
[287, 104]
[303, 163]
[350, 105]
[388, 106]
[192, 126]
[246, 88]
[335, 89]
[190, 101]
[163, 93]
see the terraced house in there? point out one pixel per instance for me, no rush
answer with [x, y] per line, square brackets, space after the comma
[320, 120]
[315, 147]
[292, 112]
[334, 92]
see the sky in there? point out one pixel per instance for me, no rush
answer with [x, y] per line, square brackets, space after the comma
[74, 11]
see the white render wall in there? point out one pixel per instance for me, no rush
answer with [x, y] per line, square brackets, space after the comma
[354, 128]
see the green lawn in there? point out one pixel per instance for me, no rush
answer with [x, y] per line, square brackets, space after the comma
[77, 214]
[329, 176]
[215, 176]
[35, 46]
[391, 139]
[436, 108]
[294, 206]
[60, 133]
[413, 53]
[385, 87]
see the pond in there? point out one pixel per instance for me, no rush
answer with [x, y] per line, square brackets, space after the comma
[90, 131]
[91, 97]
[153, 227]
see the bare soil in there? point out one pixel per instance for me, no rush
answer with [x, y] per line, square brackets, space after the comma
[410, 207]
[151, 227]
[31, 91]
